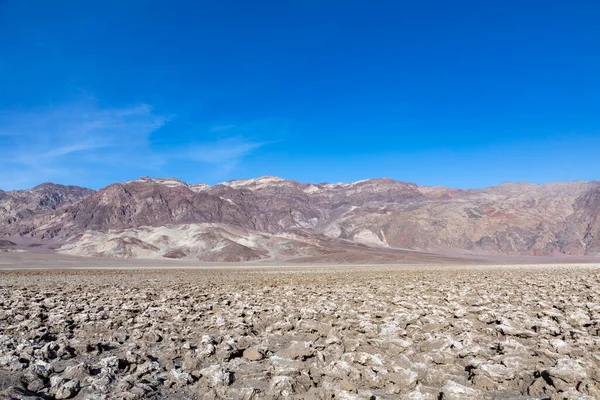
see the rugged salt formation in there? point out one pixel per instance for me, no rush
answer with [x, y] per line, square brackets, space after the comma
[385, 333]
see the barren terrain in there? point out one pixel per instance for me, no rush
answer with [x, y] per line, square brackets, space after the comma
[273, 219]
[383, 332]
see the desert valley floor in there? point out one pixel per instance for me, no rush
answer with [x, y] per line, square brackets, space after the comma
[362, 332]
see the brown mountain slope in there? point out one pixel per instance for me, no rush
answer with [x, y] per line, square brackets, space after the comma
[507, 219]
[132, 204]
[512, 218]
[582, 232]
[19, 204]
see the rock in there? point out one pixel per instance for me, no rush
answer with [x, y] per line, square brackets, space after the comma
[497, 372]
[297, 351]
[253, 354]
[560, 346]
[226, 352]
[78, 372]
[282, 386]
[418, 395]
[566, 374]
[345, 395]
[16, 393]
[539, 387]
[42, 369]
[181, 378]
[455, 391]
[485, 383]
[579, 318]
[403, 378]
[64, 388]
[152, 336]
[216, 376]
[36, 385]
[347, 386]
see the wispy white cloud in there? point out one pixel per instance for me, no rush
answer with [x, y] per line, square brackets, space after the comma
[223, 150]
[43, 142]
[74, 143]
[71, 148]
[223, 155]
[78, 127]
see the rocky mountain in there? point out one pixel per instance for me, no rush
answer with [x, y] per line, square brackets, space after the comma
[47, 197]
[212, 222]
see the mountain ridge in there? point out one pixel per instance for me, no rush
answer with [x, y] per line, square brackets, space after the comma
[550, 219]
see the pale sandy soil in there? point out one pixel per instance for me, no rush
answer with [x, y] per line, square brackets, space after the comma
[383, 332]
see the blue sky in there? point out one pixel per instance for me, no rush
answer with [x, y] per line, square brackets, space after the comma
[461, 93]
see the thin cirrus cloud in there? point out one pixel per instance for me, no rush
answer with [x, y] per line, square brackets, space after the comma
[55, 143]
[67, 143]
[226, 150]
[70, 148]
[61, 131]
[224, 155]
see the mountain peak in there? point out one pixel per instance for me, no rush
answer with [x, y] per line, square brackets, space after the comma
[171, 182]
[259, 182]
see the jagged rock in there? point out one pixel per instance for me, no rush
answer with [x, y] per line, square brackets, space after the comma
[540, 387]
[497, 372]
[403, 379]
[456, 391]
[383, 331]
[36, 385]
[297, 351]
[42, 369]
[64, 388]
[418, 395]
[16, 393]
[253, 354]
[566, 374]
[216, 376]
[77, 372]
[181, 378]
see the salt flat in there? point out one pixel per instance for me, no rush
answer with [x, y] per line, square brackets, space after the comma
[384, 332]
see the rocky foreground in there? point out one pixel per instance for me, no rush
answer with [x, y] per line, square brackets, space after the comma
[359, 333]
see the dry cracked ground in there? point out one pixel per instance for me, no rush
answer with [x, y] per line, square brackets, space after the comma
[528, 332]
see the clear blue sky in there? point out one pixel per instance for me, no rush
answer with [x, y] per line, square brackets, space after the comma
[454, 93]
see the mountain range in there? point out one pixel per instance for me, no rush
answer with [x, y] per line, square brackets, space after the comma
[271, 218]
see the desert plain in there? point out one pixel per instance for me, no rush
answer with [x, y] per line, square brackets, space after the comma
[450, 331]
